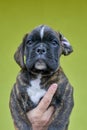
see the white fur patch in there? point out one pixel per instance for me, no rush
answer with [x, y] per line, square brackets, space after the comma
[40, 65]
[66, 42]
[35, 92]
[42, 32]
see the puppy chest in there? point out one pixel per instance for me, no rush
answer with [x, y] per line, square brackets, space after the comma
[35, 92]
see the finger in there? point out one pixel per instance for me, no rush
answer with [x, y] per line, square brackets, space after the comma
[49, 112]
[45, 102]
[47, 117]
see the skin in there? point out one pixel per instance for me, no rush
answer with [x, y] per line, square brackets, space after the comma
[41, 116]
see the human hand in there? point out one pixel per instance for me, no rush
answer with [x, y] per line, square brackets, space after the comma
[41, 116]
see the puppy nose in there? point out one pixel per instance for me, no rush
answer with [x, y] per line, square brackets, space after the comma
[41, 50]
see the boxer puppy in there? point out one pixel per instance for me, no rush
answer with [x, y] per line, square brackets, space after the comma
[39, 59]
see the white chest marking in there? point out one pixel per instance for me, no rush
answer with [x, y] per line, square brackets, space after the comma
[35, 92]
[42, 32]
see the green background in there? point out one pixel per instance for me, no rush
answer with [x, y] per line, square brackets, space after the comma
[17, 17]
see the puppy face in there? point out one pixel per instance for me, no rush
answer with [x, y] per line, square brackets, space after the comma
[42, 49]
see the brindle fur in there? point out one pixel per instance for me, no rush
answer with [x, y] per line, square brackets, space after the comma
[20, 102]
[62, 100]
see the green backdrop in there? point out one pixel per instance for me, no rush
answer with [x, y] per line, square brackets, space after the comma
[18, 17]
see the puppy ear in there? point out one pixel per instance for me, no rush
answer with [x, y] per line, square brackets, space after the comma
[66, 47]
[19, 54]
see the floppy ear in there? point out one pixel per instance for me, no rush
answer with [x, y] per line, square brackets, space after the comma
[66, 47]
[19, 54]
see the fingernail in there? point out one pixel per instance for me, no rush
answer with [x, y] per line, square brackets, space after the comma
[54, 86]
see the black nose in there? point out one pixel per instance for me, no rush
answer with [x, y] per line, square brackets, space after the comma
[41, 50]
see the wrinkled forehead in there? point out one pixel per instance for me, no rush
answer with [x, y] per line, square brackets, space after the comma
[42, 32]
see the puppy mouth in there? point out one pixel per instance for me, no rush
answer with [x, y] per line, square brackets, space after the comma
[40, 65]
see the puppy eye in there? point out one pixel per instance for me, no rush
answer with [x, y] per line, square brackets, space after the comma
[29, 42]
[55, 43]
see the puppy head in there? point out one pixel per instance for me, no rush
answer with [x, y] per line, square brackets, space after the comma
[41, 49]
